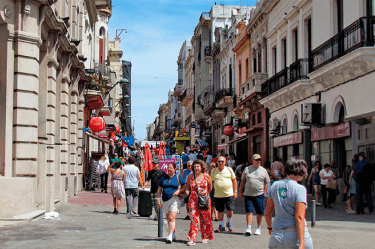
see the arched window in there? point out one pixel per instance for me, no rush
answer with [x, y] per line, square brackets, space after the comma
[295, 123]
[101, 45]
[285, 126]
[259, 117]
[339, 113]
[253, 120]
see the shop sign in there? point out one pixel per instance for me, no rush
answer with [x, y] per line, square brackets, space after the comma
[331, 132]
[242, 130]
[295, 138]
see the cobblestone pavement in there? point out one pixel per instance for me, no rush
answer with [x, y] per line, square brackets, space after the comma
[95, 226]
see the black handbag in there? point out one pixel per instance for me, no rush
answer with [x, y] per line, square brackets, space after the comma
[203, 201]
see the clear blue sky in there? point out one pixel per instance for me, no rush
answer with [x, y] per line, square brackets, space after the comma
[156, 30]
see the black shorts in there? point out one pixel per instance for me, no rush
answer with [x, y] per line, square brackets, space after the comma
[222, 203]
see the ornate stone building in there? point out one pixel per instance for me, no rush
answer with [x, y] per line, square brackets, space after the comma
[45, 46]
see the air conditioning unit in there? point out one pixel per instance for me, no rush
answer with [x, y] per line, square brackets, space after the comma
[274, 126]
[312, 114]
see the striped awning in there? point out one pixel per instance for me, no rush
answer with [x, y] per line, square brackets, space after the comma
[202, 142]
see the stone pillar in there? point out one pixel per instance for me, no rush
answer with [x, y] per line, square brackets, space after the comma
[80, 153]
[6, 96]
[59, 179]
[73, 143]
[64, 131]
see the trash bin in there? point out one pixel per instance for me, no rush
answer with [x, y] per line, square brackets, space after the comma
[144, 203]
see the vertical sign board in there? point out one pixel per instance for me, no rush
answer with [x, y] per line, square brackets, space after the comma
[163, 164]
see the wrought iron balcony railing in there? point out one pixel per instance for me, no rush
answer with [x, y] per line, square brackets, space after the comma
[299, 70]
[102, 67]
[276, 82]
[359, 34]
[223, 93]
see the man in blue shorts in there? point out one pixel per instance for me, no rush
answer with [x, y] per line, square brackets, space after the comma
[255, 180]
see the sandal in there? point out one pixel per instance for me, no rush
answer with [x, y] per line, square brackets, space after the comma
[191, 243]
[205, 241]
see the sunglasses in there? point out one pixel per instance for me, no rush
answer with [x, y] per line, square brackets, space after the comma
[258, 160]
[221, 161]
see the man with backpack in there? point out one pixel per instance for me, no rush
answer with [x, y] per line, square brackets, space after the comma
[365, 176]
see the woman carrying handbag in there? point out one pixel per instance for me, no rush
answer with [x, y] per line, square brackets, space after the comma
[199, 184]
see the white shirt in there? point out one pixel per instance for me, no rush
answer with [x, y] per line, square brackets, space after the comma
[192, 157]
[208, 160]
[325, 181]
[231, 163]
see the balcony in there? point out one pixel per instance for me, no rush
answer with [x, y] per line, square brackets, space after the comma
[95, 92]
[187, 96]
[223, 98]
[299, 70]
[102, 67]
[276, 82]
[178, 89]
[346, 56]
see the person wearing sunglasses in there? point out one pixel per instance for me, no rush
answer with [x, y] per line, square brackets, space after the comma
[255, 181]
[225, 185]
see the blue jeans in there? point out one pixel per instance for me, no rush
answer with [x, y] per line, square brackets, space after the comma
[129, 193]
[288, 240]
[362, 189]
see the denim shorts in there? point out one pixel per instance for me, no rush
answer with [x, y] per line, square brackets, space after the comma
[288, 240]
[255, 202]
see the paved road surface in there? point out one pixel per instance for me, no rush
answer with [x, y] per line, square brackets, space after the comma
[95, 226]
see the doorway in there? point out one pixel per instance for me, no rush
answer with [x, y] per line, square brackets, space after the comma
[340, 155]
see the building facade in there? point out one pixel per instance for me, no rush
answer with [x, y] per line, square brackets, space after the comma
[46, 97]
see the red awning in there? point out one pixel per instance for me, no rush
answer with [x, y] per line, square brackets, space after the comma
[222, 146]
[102, 139]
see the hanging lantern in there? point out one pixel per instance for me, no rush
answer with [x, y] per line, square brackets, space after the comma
[228, 130]
[97, 124]
[117, 129]
[113, 136]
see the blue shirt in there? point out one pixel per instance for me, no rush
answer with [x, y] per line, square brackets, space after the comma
[359, 166]
[285, 194]
[185, 159]
[171, 187]
[187, 173]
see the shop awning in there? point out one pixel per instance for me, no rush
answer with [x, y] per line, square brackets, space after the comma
[240, 137]
[102, 139]
[202, 142]
[222, 146]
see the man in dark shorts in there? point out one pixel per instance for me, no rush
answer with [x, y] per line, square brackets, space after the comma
[225, 192]
[255, 180]
[154, 176]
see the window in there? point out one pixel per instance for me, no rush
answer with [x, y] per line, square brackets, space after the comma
[259, 117]
[295, 123]
[254, 62]
[259, 59]
[253, 121]
[257, 144]
[247, 68]
[284, 127]
[283, 44]
[295, 45]
[274, 56]
[369, 8]
[239, 73]
[339, 17]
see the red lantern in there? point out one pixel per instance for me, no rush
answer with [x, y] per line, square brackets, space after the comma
[97, 124]
[228, 130]
[113, 136]
[117, 129]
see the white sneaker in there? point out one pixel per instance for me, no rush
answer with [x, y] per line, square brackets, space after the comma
[318, 204]
[169, 238]
[257, 231]
[248, 232]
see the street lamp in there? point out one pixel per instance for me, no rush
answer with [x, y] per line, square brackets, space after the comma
[121, 82]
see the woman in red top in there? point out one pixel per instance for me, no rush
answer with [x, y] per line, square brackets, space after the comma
[199, 183]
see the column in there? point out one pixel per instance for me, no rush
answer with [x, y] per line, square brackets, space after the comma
[80, 153]
[72, 190]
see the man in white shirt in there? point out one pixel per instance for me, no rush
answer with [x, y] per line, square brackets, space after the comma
[132, 178]
[192, 156]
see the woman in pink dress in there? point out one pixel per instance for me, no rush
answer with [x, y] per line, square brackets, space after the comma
[199, 183]
[117, 185]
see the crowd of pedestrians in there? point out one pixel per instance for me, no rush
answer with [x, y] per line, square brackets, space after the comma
[208, 184]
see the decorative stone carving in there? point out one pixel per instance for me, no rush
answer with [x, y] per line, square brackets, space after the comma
[27, 7]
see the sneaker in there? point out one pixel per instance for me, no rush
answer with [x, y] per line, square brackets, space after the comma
[169, 238]
[190, 243]
[174, 237]
[220, 229]
[156, 217]
[229, 226]
[257, 231]
[318, 204]
[248, 232]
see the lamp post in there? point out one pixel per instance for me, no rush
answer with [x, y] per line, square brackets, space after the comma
[122, 81]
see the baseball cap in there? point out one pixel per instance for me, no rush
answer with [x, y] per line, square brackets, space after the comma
[256, 156]
[183, 153]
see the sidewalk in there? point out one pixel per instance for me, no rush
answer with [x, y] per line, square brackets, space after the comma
[95, 226]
